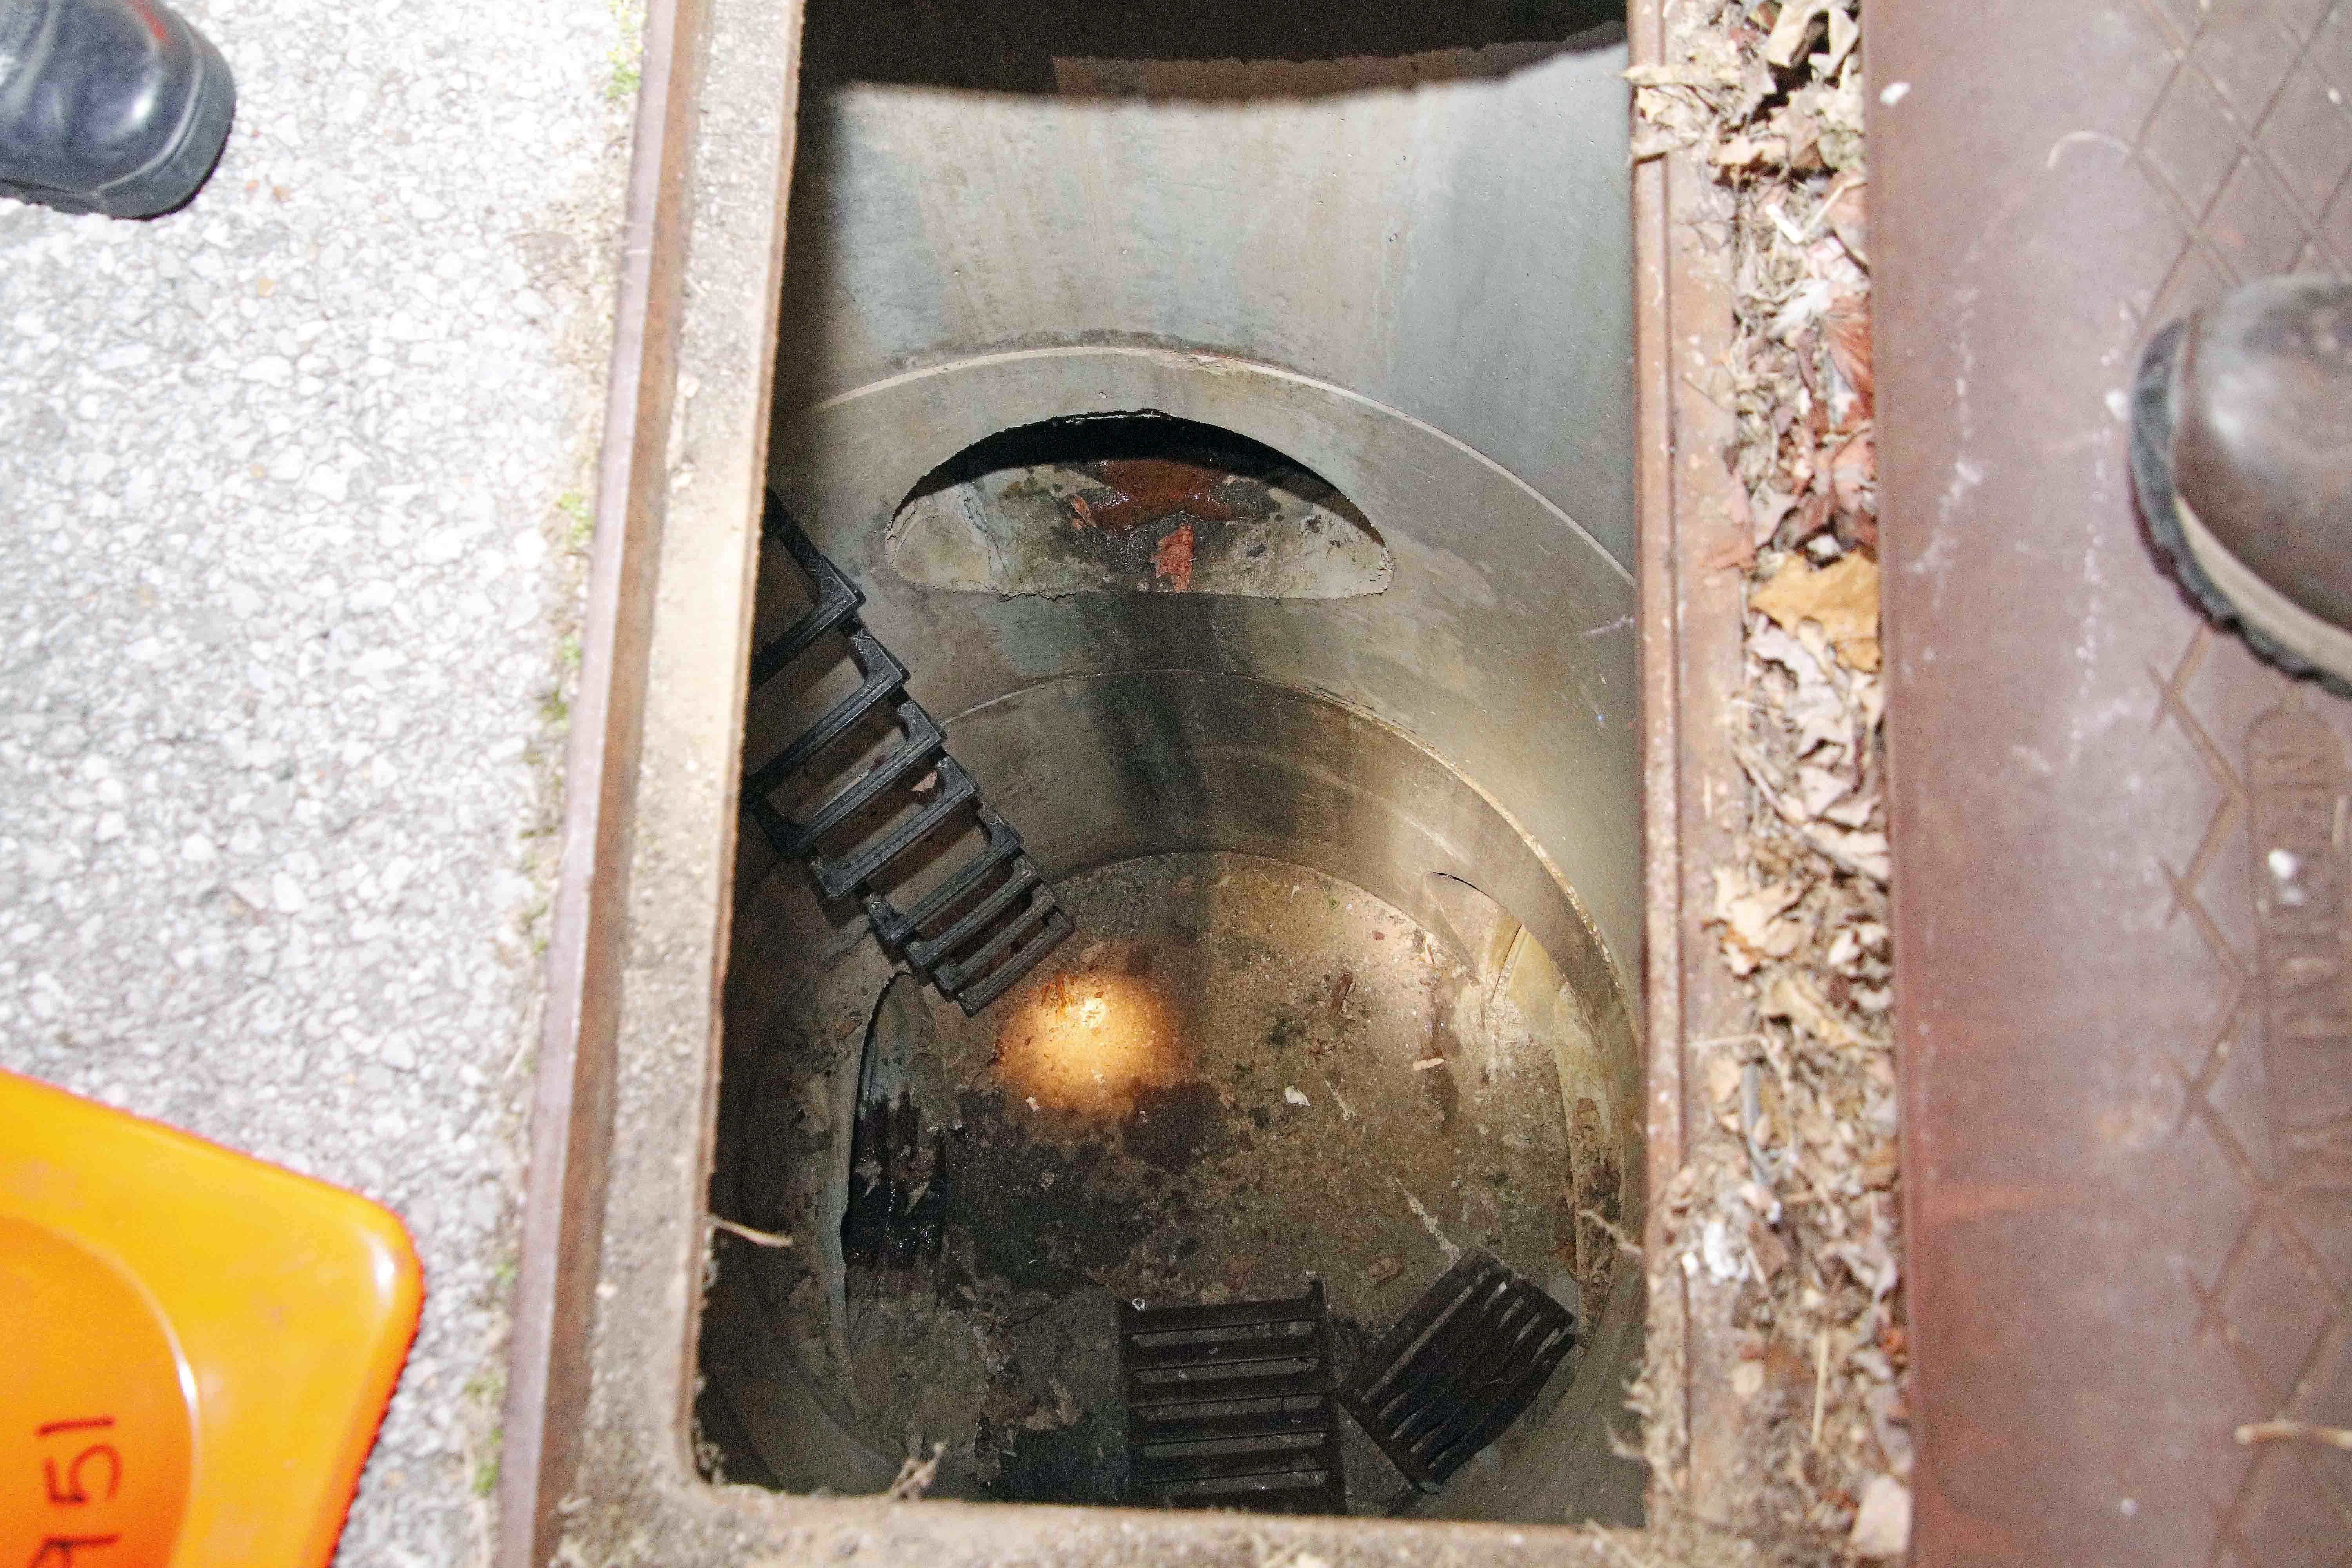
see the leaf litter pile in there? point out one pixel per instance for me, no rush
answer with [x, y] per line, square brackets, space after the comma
[1792, 1202]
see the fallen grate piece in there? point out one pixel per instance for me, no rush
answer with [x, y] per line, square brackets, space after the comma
[1463, 1364]
[1230, 1406]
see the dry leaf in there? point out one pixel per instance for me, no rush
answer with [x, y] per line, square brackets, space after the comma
[1790, 32]
[1816, 709]
[1863, 854]
[1723, 1073]
[1752, 918]
[1847, 212]
[1845, 33]
[1765, 515]
[1803, 134]
[1750, 152]
[1881, 1525]
[1804, 307]
[1733, 554]
[1842, 600]
[1686, 73]
[1853, 476]
[1793, 997]
[1845, 322]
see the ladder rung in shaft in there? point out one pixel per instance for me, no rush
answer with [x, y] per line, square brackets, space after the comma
[1006, 976]
[844, 874]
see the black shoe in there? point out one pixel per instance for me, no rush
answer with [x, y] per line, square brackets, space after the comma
[2242, 452]
[108, 106]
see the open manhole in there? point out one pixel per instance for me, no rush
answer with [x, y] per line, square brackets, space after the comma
[1304, 703]
[1225, 415]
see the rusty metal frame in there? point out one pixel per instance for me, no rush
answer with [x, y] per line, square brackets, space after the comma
[1690, 654]
[572, 1101]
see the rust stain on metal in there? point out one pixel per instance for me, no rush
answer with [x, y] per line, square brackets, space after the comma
[1145, 490]
[1173, 562]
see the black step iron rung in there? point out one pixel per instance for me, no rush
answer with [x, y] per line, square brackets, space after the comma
[1189, 1448]
[922, 744]
[837, 598]
[973, 966]
[1027, 933]
[1058, 925]
[884, 678]
[924, 952]
[1003, 843]
[1463, 1364]
[844, 874]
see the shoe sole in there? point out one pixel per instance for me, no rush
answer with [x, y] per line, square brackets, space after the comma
[171, 180]
[2232, 594]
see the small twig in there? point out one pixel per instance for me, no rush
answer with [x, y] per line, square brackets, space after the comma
[916, 1476]
[1692, 383]
[757, 1237]
[1821, 1382]
[2285, 1431]
[1624, 1243]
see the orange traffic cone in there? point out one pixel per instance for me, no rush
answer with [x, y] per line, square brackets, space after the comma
[199, 1346]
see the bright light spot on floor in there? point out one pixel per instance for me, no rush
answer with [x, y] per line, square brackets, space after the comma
[1087, 1042]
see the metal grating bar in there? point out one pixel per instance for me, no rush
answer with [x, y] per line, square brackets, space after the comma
[1193, 1443]
[1146, 1428]
[1181, 1392]
[1463, 1364]
[1144, 1469]
[1235, 1314]
[1257, 1348]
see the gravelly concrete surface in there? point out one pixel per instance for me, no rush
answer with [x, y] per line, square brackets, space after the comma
[292, 485]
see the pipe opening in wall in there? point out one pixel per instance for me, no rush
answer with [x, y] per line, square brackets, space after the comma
[1136, 503]
[1228, 432]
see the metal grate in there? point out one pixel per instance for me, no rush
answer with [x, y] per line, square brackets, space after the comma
[1000, 918]
[1230, 1406]
[1461, 1364]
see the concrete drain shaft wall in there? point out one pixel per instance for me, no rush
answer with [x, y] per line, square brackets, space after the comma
[1397, 255]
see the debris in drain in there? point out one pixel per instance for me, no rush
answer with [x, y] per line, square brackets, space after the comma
[1790, 1192]
[899, 1184]
[1112, 1135]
